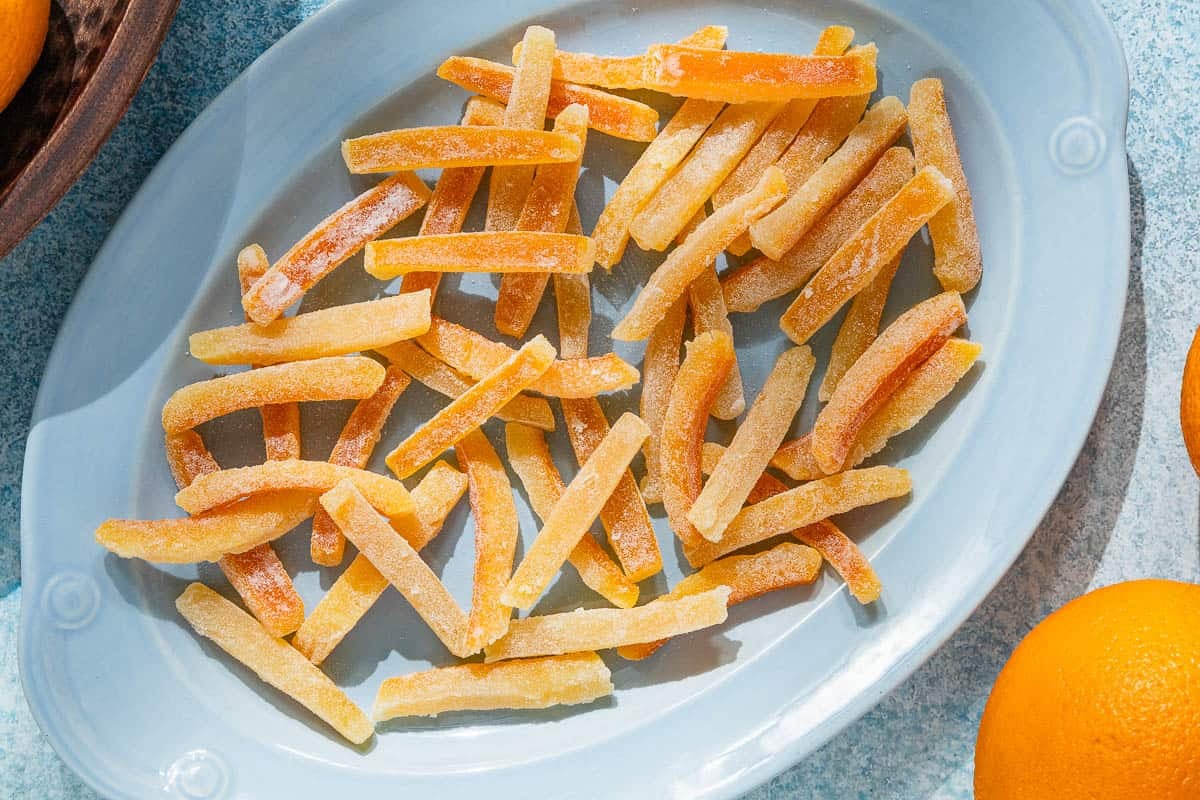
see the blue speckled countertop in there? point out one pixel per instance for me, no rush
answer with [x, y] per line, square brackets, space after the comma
[1128, 510]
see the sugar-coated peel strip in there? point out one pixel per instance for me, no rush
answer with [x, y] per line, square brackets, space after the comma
[754, 283]
[218, 488]
[496, 534]
[708, 360]
[530, 459]
[619, 72]
[488, 251]
[452, 196]
[334, 378]
[855, 264]
[708, 314]
[700, 249]
[603, 628]
[684, 193]
[957, 259]
[921, 391]
[397, 561]
[608, 113]
[733, 76]
[274, 661]
[804, 505]
[446, 380]
[473, 407]
[476, 355]
[207, 537]
[644, 178]
[526, 107]
[353, 448]
[573, 298]
[257, 575]
[451, 146]
[568, 679]
[753, 444]
[783, 128]
[659, 367]
[915, 336]
[575, 511]
[859, 328]
[779, 231]
[339, 236]
[360, 585]
[747, 577]
[547, 209]
[281, 423]
[334, 331]
[624, 516]
[826, 538]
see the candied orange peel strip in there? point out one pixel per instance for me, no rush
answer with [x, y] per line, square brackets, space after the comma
[778, 232]
[476, 355]
[708, 360]
[333, 378]
[360, 585]
[826, 538]
[452, 196]
[218, 488]
[782, 129]
[859, 328]
[353, 448]
[804, 505]
[332, 331]
[602, 628]
[754, 283]
[700, 249]
[756, 440]
[608, 113]
[488, 251]
[449, 146]
[525, 107]
[921, 391]
[496, 534]
[209, 536]
[273, 660]
[709, 314]
[281, 423]
[547, 209]
[855, 264]
[568, 679]
[575, 511]
[746, 577]
[915, 335]
[659, 366]
[957, 259]
[473, 407]
[257, 575]
[339, 236]
[397, 561]
[619, 72]
[743, 77]
[446, 380]
[530, 459]
[573, 300]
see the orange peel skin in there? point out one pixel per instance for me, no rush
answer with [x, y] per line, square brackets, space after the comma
[709, 359]
[754, 283]
[915, 336]
[1189, 403]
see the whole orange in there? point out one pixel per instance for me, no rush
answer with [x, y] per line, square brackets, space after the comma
[1101, 700]
[23, 25]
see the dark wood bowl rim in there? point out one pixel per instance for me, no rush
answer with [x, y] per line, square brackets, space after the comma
[75, 140]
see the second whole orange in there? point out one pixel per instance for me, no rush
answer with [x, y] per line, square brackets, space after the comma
[1101, 700]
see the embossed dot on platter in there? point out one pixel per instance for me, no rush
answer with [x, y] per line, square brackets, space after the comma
[198, 775]
[1077, 145]
[70, 600]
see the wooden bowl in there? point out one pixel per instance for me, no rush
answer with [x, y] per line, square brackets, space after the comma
[97, 53]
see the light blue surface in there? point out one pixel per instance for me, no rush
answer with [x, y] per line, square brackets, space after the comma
[1129, 509]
